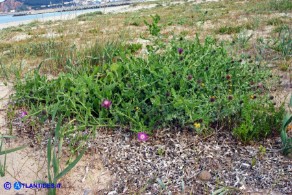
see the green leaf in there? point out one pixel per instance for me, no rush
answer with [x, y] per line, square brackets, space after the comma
[114, 67]
[284, 137]
[57, 129]
[69, 167]
[49, 157]
[286, 121]
[12, 150]
[55, 163]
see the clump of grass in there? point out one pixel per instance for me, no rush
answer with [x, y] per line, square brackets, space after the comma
[237, 29]
[89, 16]
[242, 39]
[280, 28]
[275, 21]
[283, 43]
[284, 66]
[280, 5]
[229, 29]
[135, 23]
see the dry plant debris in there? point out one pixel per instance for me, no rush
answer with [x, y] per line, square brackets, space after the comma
[179, 159]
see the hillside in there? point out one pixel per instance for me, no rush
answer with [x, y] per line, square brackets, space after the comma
[8, 5]
[21, 5]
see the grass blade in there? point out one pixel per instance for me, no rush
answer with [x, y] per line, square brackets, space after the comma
[286, 121]
[49, 157]
[70, 166]
[55, 163]
[12, 150]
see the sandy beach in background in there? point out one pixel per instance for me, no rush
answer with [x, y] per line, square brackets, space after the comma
[118, 9]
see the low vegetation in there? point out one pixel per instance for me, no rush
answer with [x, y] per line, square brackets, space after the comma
[181, 84]
[190, 71]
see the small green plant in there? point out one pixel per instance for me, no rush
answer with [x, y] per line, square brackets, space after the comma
[54, 154]
[275, 21]
[134, 47]
[283, 43]
[160, 151]
[242, 39]
[257, 120]
[253, 161]
[154, 29]
[135, 23]
[229, 29]
[262, 151]
[284, 66]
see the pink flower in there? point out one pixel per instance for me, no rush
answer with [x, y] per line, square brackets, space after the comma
[260, 85]
[22, 114]
[106, 104]
[142, 136]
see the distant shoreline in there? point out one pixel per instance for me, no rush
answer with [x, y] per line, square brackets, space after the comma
[69, 8]
[105, 10]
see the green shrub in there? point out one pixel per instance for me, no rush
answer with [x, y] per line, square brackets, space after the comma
[258, 120]
[199, 83]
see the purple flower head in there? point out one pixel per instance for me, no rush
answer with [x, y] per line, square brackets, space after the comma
[22, 114]
[142, 136]
[260, 85]
[190, 77]
[180, 50]
[106, 104]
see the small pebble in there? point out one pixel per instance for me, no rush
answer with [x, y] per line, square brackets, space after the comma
[205, 176]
